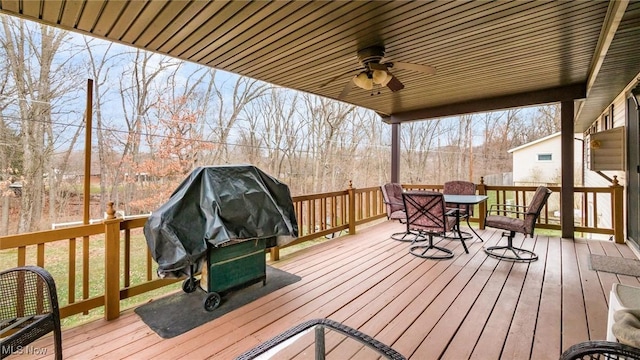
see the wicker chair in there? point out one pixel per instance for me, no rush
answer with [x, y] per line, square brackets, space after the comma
[600, 350]
[28, 309]
[524, 223]
[392, 197]
[426, 214]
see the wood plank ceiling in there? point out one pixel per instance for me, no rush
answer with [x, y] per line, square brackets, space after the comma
[488, 55]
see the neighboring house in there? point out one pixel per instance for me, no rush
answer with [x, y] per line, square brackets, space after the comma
[539, 162]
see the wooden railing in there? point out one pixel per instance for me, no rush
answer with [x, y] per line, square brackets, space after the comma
[334, 213]
[99, 265]
[598, 209]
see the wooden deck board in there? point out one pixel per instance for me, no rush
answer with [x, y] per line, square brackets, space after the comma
[596, 303]
[546, 343]
[497, 326]
[573, 307]
[519, 341]
[469, 306]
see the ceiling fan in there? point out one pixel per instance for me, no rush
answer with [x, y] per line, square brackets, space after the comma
[374, 72]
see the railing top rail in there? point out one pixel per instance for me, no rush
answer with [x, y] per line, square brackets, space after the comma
[367, 189]
[422, 186]
[576, 189]
[46, 236]
[319, 195]
[518, 188]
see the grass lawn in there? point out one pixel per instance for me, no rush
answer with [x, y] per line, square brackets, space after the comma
[57, 263]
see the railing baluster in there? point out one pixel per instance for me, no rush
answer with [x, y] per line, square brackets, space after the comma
[149, 265]
[334, 211]
[585, 209]
[72, 271]
[310, 228]
[323, 215]
[127, 258]
[345, 206]
[40, 255]
[22, 256]
[85, 269]
[367, 207]
[298, 209]
[595, 211]
[546, 215]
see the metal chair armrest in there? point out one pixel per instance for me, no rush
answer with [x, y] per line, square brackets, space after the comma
[508, 206]
[452, 211]
[507, 209]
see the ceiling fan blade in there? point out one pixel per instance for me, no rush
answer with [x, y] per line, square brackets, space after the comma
[346, 90]
[339, 76]
[415, 67]
[394, 84]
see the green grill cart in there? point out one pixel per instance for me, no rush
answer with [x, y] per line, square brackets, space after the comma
[233, 266]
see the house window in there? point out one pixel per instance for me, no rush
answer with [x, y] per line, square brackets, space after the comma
[544, 157]
[605, 122]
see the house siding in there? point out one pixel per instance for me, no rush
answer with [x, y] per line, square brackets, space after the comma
[528, 170]
[593, 179]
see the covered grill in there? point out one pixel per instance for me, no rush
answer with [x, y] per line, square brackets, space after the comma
[209, 217]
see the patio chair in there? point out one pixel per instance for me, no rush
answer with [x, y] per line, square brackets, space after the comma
[600, 350]
[501, 216]
[426, 214]
[461, 187]
[392, 197]
[28, 309]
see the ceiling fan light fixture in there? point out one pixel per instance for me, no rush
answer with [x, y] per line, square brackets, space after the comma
[363, 81]
[381, 77]
[374, 72]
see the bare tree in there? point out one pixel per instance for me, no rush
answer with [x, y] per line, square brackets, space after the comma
[140, 87]
[191, 98]
[492, 157]
[39, 79]
[417, 140]
[327, 118]
[10, 155]
[282, 130]
[10, 151]
[547, 119]
[374, 149]
[230, 105]
[250, 136]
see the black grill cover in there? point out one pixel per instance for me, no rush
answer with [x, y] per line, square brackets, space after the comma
[215, 205]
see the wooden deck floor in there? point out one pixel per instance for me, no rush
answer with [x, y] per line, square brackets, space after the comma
[471, 306]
